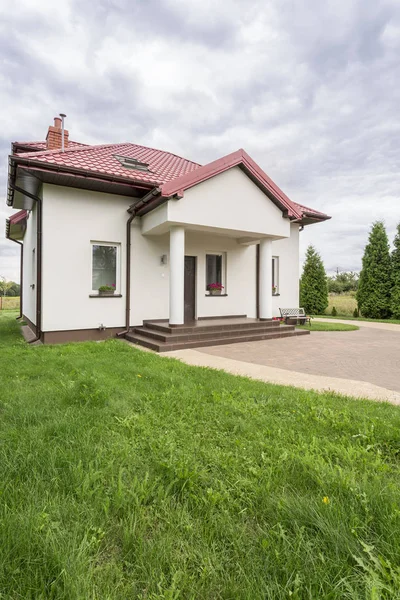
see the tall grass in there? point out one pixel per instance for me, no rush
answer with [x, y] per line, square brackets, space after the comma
[127, 475]
[344, 304]
[9, 302]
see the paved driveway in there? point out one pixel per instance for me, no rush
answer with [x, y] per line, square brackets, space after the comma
[360, 363]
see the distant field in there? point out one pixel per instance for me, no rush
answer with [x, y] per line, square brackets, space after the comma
[9, 303]
[344, 305]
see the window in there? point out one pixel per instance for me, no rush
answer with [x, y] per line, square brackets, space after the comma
[275, 275]
[105, 265]
[215, 269]
[132, 163]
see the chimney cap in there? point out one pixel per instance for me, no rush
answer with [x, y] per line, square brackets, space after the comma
[62, 115]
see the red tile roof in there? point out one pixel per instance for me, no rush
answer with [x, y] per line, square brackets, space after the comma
[163, 166]
[42, 145]
[242, 159]
[171, 173]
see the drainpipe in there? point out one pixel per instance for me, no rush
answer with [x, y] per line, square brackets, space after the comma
[38, 259]
[21, 274]
[128, 275]
[133, 210]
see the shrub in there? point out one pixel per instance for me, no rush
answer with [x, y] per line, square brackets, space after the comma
[334, 311]
[395, 293]
[356, 313]
[313, 284]
[373, 295]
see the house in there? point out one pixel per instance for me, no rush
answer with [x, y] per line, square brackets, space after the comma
[160, 230]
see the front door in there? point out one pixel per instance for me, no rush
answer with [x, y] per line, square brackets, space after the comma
[190, 288]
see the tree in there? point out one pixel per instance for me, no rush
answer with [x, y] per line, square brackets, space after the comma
[343, 283]
[313, 284]
[5, 286]
[395, 294]
[373, 295]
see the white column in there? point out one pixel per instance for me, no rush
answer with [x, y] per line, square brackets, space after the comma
[176, 275]
[266, 278]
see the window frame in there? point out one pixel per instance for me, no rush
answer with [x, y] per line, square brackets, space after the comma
[275, 274]
[223, 270]
[116, 245]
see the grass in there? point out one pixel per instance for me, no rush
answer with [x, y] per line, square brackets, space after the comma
[344, 304]
[393, 321]
[9, 303]
[317, 326]
[127, 475]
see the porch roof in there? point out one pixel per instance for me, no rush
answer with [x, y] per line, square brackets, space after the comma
[16, 225]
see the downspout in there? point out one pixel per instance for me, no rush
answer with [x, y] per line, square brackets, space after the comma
[21, 274]
[133, 212]
[128, 275]
[38, 260]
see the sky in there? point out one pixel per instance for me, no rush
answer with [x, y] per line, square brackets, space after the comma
[309, 89]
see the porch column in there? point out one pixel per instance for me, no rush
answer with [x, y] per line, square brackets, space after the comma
[176, 275]
[265, 279]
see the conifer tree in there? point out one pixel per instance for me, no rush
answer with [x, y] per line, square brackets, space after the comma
[373, 294]
[313, 284]
[395, 294]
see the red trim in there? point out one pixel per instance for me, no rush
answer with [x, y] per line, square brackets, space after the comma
[18, 217]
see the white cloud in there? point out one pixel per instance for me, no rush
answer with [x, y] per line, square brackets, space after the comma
[310, 90]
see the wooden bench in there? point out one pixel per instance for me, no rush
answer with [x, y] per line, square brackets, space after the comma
[294, 316]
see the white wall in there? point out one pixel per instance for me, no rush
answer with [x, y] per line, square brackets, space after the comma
[29, 275]
[229, 201]
[72, 218]
[150, 279]
[240, 279]
[289, 271]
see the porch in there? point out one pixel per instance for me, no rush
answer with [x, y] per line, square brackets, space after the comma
[162, 337]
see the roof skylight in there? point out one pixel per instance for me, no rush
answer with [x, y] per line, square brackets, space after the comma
[132, 163]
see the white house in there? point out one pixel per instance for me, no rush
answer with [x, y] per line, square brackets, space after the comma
[159, 228]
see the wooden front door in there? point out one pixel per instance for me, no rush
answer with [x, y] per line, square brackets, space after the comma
[190, 288]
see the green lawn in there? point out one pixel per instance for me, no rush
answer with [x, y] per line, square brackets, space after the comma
[317, 326]
[345, 318]
[127, 475]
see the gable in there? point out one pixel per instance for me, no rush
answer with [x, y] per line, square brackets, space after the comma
[230, 200]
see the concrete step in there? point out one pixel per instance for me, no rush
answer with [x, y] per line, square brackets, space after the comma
[204, 333]
[210, 325]
[167, 346]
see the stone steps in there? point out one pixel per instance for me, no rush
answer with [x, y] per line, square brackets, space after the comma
[163, 338]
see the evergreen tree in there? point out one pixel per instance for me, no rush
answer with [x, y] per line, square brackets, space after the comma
[313, 284]
[373, 294]
[395, 295]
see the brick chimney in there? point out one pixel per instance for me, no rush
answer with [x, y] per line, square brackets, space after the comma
[53, 139]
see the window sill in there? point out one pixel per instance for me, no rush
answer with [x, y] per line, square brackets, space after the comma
[276, 294]
[98, 296]
[215, 295]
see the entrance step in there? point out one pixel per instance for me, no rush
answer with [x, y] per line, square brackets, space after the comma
[163, 338]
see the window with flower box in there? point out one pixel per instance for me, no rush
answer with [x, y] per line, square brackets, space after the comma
[106, 266]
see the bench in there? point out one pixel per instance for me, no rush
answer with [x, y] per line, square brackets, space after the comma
[294, 316]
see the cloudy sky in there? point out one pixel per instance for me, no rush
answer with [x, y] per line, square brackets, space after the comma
[310, 89]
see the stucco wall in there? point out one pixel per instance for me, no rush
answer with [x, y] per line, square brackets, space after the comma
[29, 275]
[71, 220]
[150, 279]
[228, 201]
[289, 270]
